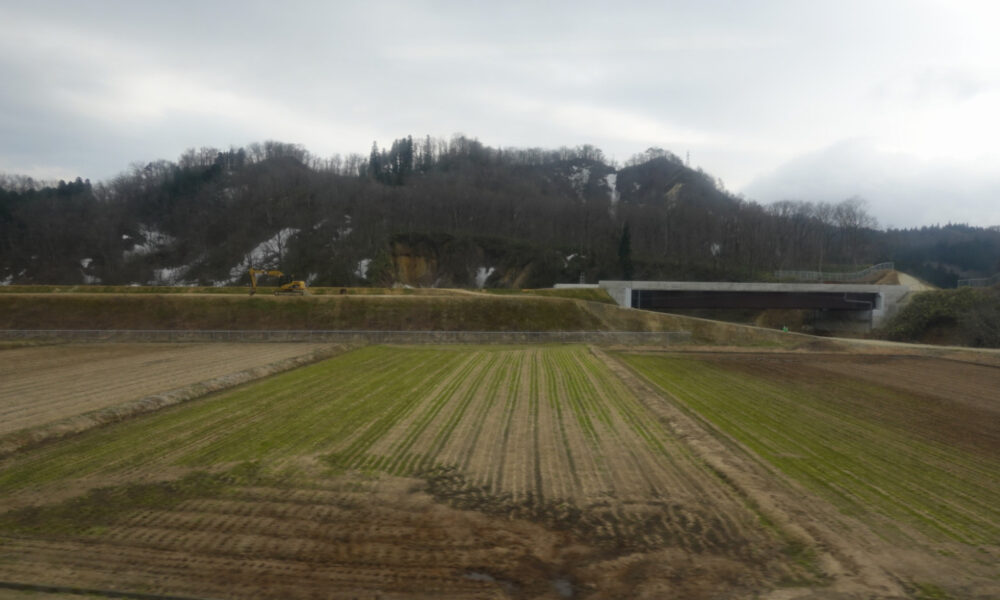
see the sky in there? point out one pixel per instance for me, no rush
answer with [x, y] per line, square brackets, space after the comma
[896, 102]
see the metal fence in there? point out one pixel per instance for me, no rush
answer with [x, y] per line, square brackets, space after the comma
[636, 338]
[984, 282]
[822, 276]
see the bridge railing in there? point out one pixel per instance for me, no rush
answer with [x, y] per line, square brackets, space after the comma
[824, 276]
[982, 282]
[638, 338]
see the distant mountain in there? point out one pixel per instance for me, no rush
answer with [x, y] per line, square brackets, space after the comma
[435, 212]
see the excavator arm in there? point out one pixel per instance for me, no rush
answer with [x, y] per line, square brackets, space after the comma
[291, 288]
[254, 273]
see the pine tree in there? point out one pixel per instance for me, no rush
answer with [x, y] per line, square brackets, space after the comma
[625, 253]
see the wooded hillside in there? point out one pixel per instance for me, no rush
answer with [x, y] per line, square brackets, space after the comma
[442, 212]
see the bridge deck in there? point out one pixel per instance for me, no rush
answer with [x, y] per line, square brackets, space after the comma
[674, 299]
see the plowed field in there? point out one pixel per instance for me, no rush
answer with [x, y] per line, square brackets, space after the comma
[531, 472]
[42, 384]
[283, 485]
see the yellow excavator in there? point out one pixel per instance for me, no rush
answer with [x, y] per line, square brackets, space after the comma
[288, 288]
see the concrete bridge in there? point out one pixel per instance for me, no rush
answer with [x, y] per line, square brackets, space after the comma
[856, 306]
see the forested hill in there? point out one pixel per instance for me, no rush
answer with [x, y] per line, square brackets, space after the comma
[447, 213]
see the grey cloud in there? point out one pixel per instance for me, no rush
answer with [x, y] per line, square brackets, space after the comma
[746, 87]
[901, 191]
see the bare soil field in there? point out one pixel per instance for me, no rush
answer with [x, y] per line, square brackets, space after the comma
[44, 384]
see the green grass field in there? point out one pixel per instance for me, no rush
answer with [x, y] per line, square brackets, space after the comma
[856, 443]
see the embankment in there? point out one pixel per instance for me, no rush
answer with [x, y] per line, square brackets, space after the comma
[460, 312]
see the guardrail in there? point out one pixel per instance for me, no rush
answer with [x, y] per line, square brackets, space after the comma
[982, 282]
[822, 276]
[652, 338]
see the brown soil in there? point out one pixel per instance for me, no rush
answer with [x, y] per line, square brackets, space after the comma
[55, 390]
[358, 537]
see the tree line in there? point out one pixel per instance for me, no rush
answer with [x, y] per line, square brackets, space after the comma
[550, 215]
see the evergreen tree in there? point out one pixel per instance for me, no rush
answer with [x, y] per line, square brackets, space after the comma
[625, 253]
[375, 163]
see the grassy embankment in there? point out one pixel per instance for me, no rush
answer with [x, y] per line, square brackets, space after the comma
[854, 443]
[590, 294]
[459, 311]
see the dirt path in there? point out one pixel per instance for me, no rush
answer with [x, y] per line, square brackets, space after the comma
[913, 283]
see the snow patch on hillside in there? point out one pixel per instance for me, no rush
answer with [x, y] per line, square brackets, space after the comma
[612, 180]
[153, 241]
[346, 230]
[7, 280]
[265, 255]
[362, 269]
[170, 275]
[88, 279]
[579, 178]
[482, 274]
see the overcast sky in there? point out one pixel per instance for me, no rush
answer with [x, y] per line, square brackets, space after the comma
[896, 102]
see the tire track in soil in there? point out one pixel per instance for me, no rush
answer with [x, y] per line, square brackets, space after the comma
[413, 547]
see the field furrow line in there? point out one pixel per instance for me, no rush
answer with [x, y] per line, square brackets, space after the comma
[404, 435]
[454, 433]
[222, 576]
[556, 472]
[465, 450]
[489, 450]
[505, 452]
[444, 382]
[641, 472]
[681, 474]
[384, 412]
[588, 472]
[522, 476]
